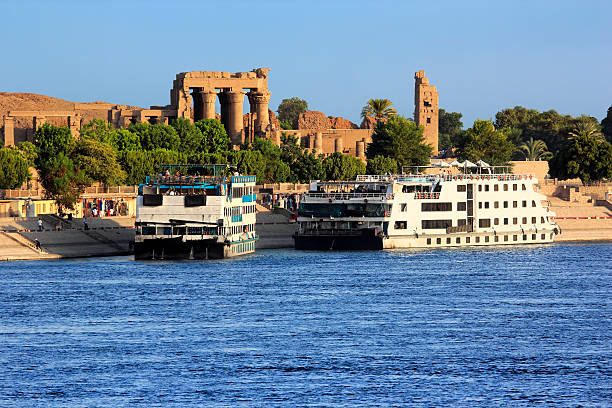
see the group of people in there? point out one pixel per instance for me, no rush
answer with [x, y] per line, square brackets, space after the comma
[289, 201]
[106, 208]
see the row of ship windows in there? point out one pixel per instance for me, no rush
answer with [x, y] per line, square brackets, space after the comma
[486, 222]
[462, 187]
[238, 192]
[505, 203]
[462, 205]
[496, 238]
[238, 229]
[482, 223]
[243, 209]
[240, 248]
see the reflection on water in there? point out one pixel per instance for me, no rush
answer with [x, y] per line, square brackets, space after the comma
[516, 326]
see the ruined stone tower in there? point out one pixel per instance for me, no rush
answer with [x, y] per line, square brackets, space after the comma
[426, 109]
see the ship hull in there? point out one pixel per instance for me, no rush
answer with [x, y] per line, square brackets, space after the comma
[376, 242]
[177, 249]
[367, 240]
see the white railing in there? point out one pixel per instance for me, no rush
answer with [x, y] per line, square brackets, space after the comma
[447, 177]
[348, 196]
[426, 196]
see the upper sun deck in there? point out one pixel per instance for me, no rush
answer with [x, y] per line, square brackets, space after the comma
[188, 180]
[429, 178]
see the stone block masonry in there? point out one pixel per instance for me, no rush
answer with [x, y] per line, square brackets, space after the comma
[426, 109]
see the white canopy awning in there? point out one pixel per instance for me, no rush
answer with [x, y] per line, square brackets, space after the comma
[455, 163]
[468, 163]
[481, 163]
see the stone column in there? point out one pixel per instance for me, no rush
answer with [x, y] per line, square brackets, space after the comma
[277, 137]
[208, 100]
[338, 145]
[360, 149]
[318, 143]
[203, 104]
[234, 127]
[259, 104]
[38, 122]
[9, 131]
[74, 124]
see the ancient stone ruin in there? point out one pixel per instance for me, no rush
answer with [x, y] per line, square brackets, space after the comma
[426, 109]
[193, 96]
[203, 88]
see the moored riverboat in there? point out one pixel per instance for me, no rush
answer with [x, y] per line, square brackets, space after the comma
[187, 216]
[476, 207]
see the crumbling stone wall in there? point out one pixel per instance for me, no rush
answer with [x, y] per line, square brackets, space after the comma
[426, 108]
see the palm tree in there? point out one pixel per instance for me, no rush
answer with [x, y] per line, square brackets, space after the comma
[586, 128]
[535, 150]
[379, 109]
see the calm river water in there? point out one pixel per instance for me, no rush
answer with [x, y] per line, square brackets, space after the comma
[521, 326]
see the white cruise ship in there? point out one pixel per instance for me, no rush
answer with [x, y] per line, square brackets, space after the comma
[425, 211]
[195, 217]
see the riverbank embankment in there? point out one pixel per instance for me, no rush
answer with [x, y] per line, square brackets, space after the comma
[582, 222]
[61, 238]
[112, 236]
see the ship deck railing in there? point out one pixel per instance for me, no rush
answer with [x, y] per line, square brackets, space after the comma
[428, 178]
[185, 180]
[426, 196]
[197, 180]
[348, 195]
[336, 232]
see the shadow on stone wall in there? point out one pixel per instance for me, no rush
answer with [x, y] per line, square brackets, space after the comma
[69, 238]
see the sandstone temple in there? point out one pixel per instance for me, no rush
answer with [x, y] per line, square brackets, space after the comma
[194, 95]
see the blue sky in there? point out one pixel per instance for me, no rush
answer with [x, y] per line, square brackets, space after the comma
[482, 55]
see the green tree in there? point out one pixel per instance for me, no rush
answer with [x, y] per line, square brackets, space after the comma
[338, 166]
[535, 150]
[285, 125]
[122, 140]
[606, 125]
[14, 168]
[483, 142]
[290, 148]
[516, 117]
[50, 141]
[381, 165]
[307, 167]
[97, 129]
[137, 164]
[98, 161]
[289, 111]
[158, 136]
[379, 109]
[400, 139]
[276, 171]
[586, 157]
[62, 181]
[190, 135]
[215, 138]
[248, 162]
[449, 127]
[162, 157]
[29, 152]
[585, 126]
